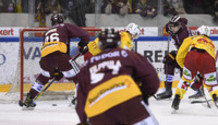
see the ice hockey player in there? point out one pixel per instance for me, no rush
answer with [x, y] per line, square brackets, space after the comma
[197, 54]
[178, 30]
[132, 32]
[54, 55]
[114, 86]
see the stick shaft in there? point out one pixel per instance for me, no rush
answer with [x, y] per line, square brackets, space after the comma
[75, 57]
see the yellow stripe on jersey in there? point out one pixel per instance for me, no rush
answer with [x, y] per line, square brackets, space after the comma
[51, 47]
[198, 41]
[109, 94]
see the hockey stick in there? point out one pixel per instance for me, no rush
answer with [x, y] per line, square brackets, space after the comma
[202, 92]
[168, 50]
[75, 57]
[206, 100]
[49, 84]
[21, 103]
[198, 101]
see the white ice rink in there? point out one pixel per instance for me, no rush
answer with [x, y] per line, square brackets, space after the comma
[62, 114]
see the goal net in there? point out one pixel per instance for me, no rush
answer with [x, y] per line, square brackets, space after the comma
[28, 68]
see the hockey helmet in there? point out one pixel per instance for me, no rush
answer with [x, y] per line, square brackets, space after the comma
[134, 30]
[56, 19]
[175, 20]
[108, 38]
[203, 30]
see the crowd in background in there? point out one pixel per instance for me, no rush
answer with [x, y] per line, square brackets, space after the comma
[76, 9]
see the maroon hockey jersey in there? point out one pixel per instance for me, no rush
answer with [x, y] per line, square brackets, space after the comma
[183, 33]
[57, 38]
[110, 87]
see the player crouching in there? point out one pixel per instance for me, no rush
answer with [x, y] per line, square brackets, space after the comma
[55, 61]
[197, 54]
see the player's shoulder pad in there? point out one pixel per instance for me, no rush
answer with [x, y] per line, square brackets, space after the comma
[124, 33]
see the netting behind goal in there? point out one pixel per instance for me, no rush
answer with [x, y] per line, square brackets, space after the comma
[28, 68]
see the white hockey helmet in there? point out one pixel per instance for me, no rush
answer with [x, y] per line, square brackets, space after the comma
[134, 30]
[203, 30]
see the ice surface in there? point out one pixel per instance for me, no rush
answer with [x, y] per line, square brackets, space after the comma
[62, 114]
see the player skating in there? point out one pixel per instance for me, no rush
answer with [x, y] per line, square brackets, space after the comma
[114, 86]
[197, 54]
[132, 32]
[178, 30]
[55, 55]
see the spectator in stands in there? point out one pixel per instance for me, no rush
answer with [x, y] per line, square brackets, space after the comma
[90, 6]
[3, 6]
[25, 6]
[216, 10]
[121, 7]
[168, 8]
[199, 6]
[173, 7]
[145, 9]
[40, 12]
[53, 7]
[75, 10]
[11, 7]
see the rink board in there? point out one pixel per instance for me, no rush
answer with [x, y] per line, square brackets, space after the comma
[154, 48]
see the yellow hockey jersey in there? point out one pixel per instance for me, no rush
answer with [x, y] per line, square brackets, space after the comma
[126, 43]
[198, 41]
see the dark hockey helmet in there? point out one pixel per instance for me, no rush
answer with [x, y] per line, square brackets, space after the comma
[108, 38]
[175, 20]
[56, 19]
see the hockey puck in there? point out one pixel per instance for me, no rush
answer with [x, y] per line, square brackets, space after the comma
[54, 104]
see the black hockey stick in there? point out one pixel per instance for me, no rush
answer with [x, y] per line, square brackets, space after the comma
[52, 81]
[49, 84]
[206, 100]
[21, 103]
[202, 92]
[198, 101]
[167, 63]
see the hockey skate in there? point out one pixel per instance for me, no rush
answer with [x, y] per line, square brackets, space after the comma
[29, 103]
[215, 99]
[176, 101]
[197, 95]
[166, 94]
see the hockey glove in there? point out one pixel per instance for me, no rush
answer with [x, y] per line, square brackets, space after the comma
[170, 57]
[83, 48]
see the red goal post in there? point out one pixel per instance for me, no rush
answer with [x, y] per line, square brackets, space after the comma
[92, 31]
